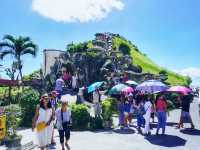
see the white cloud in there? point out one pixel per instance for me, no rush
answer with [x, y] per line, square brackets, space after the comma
[192, 72]
[76, 10]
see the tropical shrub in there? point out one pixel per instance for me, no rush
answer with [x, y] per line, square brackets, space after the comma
[96, 123]
[113, 105]
[13, 117]
[28, 101]
[80, 117]
[106, 110]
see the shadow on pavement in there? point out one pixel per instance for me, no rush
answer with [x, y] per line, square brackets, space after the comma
[166, 140]
[124, 131]
[190, 131]
[172, 124]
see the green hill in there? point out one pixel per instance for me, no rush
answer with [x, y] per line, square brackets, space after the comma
[147, 64]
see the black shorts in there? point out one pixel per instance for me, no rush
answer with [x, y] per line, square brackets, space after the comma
[152, 115]
[64, 133]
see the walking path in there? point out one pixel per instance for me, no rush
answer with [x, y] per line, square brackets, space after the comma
[130, 140]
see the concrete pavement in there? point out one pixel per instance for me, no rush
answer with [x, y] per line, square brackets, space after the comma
[130, 140]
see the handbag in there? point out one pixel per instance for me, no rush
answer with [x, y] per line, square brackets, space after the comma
[41, 126]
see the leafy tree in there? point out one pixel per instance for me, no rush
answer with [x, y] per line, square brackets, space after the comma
[75, 48]
[17, 47]
[124, 48]
[164, 72]
[188, 80]
[163, 75]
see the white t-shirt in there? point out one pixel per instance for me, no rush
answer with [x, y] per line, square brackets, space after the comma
[199, 98]
[74, 81]
[66, 117]
[148, 107]
[95, 97]
[59, 84]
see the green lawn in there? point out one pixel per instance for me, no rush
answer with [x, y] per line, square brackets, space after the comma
[148, 65]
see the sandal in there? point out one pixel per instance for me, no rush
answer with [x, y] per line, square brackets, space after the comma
[67, 145]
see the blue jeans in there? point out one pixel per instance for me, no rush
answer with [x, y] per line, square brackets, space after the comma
[140, 120]
[121, 118]
[162, 119]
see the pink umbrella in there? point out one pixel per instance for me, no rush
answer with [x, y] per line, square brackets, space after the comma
[181, 89]
[127, 90]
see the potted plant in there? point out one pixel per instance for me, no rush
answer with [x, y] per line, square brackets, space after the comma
[12, 121]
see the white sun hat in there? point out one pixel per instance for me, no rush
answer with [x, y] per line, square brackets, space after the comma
[64, 99]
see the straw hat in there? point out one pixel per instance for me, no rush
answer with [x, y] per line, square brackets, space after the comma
[43, 96]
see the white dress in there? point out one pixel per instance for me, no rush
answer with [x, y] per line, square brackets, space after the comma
[147, 116]
[44, 136]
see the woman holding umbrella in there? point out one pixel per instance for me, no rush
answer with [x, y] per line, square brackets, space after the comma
[161, 108]
[185, 111]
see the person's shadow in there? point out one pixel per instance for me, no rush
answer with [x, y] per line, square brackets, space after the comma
[191, 131]
[166, 140]
[124, 131]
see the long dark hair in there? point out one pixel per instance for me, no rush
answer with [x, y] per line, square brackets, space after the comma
[42, 104]
[158, 97]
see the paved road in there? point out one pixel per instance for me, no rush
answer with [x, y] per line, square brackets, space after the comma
[129, 140]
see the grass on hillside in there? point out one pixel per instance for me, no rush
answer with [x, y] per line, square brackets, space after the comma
[148, 65]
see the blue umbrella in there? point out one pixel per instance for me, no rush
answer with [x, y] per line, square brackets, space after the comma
[152, 86]
[94, 86]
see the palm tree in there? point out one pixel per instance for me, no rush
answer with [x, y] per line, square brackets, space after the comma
[17, 47]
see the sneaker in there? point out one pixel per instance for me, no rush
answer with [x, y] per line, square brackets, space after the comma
[157, 134]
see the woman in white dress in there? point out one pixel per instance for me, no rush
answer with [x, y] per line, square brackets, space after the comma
[147, 116]
[42, 121]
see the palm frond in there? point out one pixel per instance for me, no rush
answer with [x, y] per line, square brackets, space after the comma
[29, 51]
[4, 53]
[25, 39]
[6, 45]
[9, 38]
[30, 45]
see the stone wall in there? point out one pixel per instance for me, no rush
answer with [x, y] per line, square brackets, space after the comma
[50, 58]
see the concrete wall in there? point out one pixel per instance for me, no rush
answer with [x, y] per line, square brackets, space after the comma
[50, 56]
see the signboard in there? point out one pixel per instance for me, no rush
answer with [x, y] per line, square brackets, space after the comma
[2, 126]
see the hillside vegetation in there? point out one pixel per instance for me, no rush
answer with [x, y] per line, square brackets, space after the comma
[147, 64]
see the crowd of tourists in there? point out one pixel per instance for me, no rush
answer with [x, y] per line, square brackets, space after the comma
[142, 106]
[145, 107]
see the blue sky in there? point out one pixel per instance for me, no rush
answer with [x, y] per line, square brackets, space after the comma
[167, 31]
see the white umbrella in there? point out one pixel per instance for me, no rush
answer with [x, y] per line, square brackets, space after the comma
[131, 82]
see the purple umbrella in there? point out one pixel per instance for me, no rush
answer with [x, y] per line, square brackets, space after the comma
[152, 86]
